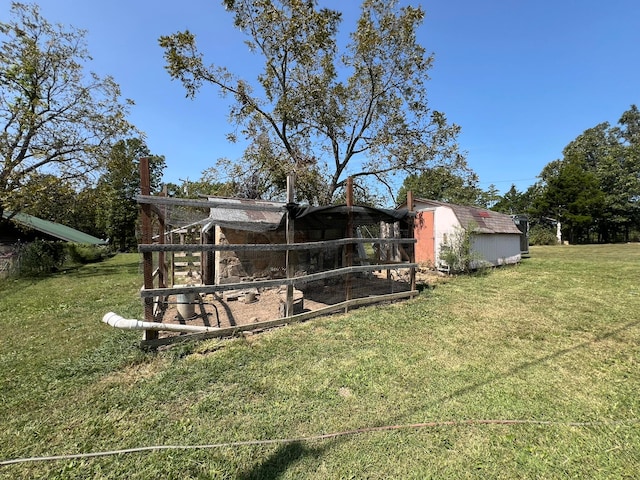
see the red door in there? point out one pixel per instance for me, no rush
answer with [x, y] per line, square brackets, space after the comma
[423, 231]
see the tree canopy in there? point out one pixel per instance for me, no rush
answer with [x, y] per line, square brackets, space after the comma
[444, 185]
[56, 119]
[595, 188]
[117, 212]
[317, 106]
[514, 202]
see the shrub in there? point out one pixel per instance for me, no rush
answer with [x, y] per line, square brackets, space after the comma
[82, 253]
[457, 252]
[541, 235]
[40, 257]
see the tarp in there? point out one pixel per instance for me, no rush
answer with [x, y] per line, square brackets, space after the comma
[305, 217]
[337, 216]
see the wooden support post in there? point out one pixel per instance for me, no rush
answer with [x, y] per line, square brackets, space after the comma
[349, 234]
[291, 180]
[147, 237]
[412, 247]
[162, 265]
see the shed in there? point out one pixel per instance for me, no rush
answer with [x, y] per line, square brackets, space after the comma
[496, 238]
[242, 221]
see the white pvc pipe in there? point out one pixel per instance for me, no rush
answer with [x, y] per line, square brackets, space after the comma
[117, 321]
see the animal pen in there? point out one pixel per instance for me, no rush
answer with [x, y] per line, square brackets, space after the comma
[214, 267]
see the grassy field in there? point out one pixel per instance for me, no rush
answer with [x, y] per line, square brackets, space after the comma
[553, 344]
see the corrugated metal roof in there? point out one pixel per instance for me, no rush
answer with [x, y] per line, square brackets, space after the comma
[56, 230]
[484, 221]
[243, 214]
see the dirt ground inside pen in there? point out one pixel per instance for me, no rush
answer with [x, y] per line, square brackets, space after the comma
[251, 305]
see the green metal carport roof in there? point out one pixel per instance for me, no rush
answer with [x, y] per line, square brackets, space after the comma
[57, 230]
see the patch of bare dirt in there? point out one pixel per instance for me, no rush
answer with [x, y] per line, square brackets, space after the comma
[251, 305]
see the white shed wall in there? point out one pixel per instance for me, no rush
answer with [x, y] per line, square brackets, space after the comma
[445, 226]
[498, 249]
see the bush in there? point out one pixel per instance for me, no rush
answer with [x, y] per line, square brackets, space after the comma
[82, 253]
[40, 257]
[541, 235]
[457, 252]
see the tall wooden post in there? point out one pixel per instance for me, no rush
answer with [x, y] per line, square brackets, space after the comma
[162, 265]
[349, 234]
[412, 247]
[147, 238]
[291, 180]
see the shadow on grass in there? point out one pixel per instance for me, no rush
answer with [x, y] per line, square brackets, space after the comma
[397, 421]
[104, 268]
[276, 465]
[537, 361]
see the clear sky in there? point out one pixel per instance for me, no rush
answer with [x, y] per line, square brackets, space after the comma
[521, 77]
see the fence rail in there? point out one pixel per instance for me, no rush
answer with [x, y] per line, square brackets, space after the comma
[270, 247]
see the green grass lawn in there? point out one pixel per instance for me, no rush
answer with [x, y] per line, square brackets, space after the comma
[553, 343]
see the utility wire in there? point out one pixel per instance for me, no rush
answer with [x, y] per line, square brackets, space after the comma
[451, 423]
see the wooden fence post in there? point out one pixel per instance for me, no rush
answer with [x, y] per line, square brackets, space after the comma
[147, 238]
[291, 180]
[162, 264]
[349, 234]
[412, 247]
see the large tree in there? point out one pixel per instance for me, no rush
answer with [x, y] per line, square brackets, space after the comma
[118, 187]
[317, 107]
[514, 202]
[595, 187]
[609, 154]
[49, 198]
[572, 195]
[55, 118]
[444, 185]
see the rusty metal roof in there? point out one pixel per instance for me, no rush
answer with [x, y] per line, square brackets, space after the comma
[250, 215]
[483, 220]
[263, 216]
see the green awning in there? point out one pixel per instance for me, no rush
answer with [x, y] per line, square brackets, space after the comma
[56, 230]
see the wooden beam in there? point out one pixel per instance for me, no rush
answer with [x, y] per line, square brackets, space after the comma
[189, 202]
[290, 270]
[266, 247]
[349, 234]
[412, 251]
[206, 289]
[147, 235]
[231, 331]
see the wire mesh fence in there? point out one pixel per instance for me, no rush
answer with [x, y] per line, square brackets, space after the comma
[229, 264]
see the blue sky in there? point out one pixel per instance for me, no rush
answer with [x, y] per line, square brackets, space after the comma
[521, 77]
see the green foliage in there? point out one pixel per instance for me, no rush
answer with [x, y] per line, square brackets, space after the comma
[207, 184]
[315, 108]
[542, 235]
[457, 252]
[117, 211]
[48, 197]
[83, 254]
[40, 257]
[595, 189]
[54, 117]
[514, 202]
[572, 195]
[444, 185]
[61, 201]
